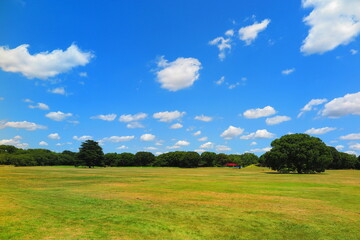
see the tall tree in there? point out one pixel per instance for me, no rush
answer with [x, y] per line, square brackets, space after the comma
[91, 154]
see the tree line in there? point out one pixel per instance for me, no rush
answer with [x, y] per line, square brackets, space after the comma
[299, 153]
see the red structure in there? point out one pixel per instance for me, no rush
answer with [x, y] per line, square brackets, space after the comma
[231, 165]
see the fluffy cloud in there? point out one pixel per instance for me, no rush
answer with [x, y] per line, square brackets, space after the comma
[339, 147]
[259, 112]
[353, 51]
[319, 131]
[203, 139]
[58, 90]
[108, 117]
[135, 125]
[42, 65]
[147, 137]
[220, 81]
[232, 132]
[176, 126]
[182, 143]
[253, 143]
[197, 133]
[177, 75]
[355, 147]
[250, 33]
[23, 125]
[288, 71]
[266, 149]
[309, 106]
[168, 116]
[277, 119]
[204, 118]
[222, 148]
[41, 106]
[223, 44]
[338, 107]
[150, 148]
[82, 138]
[15, 141]
[116, 139]
[132, 118]
[352, 136]
[54, 136]
[259, 134]
[208, 145]
[122, 147]
[332, 23]
[58, 116]
[43, 143]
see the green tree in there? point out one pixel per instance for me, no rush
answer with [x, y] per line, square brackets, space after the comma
[91, 154]
[221, 159]
[144, 158]
[189, 160]
[298, 152]
[126, 160]
[207, 159]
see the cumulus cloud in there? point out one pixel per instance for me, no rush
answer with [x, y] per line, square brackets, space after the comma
[332, 23]
[22, 125]
[116, 139]
[108, 117]
[253, 143]
[42, 65]
[203, 118]
[168, 116]
[232, 132]
[223, 44]
[150, 148]
[43, 143]
[352, 136]
[122, 147]
[203, 139]
[277, 119]
[176, 126]
[58, 116]
[54, 136]
[179, 74]
[82, 138]
[222, 148]
[41, 106]
[15, 141]
[266, 149]
[197, 133]
[353, 51]
[319, 131]
[208, 145]
[132, 118]
[58, 90]
[259, 112]
[338, 107]
[134, 125]
[220, 81]
[182, 143]
[259, 134]
[249, 33]
[339, 147]
[355, 147]
[147, 137]
[309, 106]
[288, 71]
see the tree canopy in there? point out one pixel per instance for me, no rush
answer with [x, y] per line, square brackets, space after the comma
[91, 154]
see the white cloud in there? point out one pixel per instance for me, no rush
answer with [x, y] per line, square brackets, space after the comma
[203, 139]
[339, 147]
[355, 147]
[197, 133]
[176, 126]
[58, 90]
[177, 75]
[27, 100]
[250, 33]
[266, 149]
[54, 136]
[199, 150]
[208, 145]
[23, 125]
[332, 23]
[15, 141]
[220, 81]
[132, 118]
[182, 143]
[253, 143]
[147, 137]
[319, 131]
[222, 148]
[230, 32]
[134, 125]
[232, 132]
[223, 44]
[353, 51]
[288, 71]
[338, 107]
[108, 117]
[82, 138]
[352, 136]
[122, 147]
[43, 143]
[168, 116]
[116, 139]
[259, 134]
[277, 119]
[351, 152]
[150, 148]
[173, 147]
[58, 116]
[42, 65]
[203, 118]
[259, 112]
[41, 106]
[309, 106]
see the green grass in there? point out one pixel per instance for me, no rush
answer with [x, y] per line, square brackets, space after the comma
[173, 203]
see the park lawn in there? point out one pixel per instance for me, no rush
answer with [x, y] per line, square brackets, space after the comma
[174, 203]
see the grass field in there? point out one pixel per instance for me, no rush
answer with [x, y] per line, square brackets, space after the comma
[173, 203]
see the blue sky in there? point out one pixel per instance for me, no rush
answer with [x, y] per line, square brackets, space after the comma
[159, 76]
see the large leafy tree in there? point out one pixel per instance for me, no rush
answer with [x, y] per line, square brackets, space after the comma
[91, 154]
[298, 152]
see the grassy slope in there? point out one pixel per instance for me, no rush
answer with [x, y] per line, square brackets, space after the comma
[173, 203]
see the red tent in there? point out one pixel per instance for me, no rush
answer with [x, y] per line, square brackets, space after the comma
[231, 164]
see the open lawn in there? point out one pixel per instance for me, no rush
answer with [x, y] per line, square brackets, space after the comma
[174, 203]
